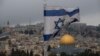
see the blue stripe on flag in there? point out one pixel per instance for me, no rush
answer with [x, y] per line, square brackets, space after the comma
[73, 12]
[47, 37]
[54, 12]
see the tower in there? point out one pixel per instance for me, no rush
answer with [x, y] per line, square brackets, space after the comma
[8, 23]
[7, 28]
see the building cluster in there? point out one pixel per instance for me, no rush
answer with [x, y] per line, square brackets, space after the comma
[22, 42]
[88, 43]
[18, 39]
[84, 30]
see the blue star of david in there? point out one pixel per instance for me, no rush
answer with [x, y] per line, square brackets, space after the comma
[57, 23]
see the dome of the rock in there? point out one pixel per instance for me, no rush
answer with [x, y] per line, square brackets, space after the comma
[67, 40]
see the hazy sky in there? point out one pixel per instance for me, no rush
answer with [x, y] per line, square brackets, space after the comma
[24, 11]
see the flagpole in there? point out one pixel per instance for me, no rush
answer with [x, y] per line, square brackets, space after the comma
[45, 42]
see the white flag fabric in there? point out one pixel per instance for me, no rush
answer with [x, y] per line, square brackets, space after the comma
[54, 20]
[73, 14]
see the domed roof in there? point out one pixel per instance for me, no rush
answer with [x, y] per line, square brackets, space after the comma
[67, 40]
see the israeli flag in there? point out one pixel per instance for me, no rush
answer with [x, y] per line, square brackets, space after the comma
[54, 20]
[73, 14]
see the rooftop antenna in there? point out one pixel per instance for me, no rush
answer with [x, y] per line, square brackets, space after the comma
[8, 23]
[29, 28]
[29, 20]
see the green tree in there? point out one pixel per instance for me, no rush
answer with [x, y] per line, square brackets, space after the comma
[49, 47]
[88, 52]
[0, 31]
[37, 55]
[26, 32]
[27, 53]
[31, 32]
[12, 52]
[52, 54]
[63, 54]
[98, 28]
[31, 53]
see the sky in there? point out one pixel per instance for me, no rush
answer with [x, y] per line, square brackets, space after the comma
[26, 11]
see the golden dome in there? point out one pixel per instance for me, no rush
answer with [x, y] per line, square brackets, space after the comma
[67, 40]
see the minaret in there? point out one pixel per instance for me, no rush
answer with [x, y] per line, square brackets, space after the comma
[8, 26]
[29, 27]
[8, 23]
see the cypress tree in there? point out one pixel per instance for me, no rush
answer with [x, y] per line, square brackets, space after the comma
[63, 54]
[31, 53]
[49, 47]
[27, 53]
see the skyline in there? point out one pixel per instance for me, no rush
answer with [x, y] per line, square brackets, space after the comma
[24, 11]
